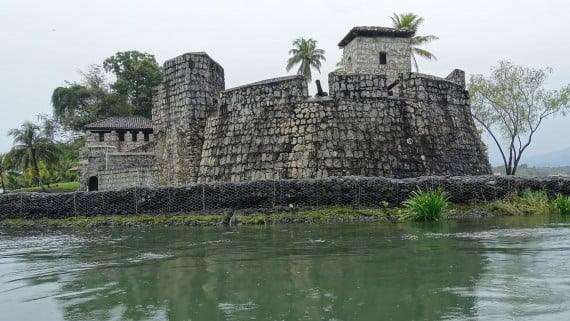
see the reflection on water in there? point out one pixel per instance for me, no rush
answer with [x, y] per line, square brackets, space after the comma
[488, 270]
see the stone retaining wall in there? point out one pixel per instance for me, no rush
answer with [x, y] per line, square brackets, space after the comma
[347, 191]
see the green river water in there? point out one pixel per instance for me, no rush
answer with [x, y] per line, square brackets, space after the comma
[489, 269]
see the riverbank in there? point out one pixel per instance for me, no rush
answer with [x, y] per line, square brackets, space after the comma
[325, 215]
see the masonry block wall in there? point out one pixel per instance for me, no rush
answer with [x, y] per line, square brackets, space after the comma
[253, 133]
[190, 91]
[379, 120]
[362, 55]
[272, 130]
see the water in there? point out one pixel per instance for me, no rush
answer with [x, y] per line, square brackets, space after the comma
[500, 269]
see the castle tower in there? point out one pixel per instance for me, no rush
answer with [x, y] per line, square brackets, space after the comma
[377, 50]
[191, 90]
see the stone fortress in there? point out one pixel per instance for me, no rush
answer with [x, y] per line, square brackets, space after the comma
[378, 119]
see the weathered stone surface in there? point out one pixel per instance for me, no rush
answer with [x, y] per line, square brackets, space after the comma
[191, 90]
[378, 120]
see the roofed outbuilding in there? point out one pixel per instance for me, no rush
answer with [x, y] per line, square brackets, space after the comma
[126, 123]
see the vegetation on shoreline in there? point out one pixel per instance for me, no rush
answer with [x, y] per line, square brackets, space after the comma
[525, 203]
[51, 188]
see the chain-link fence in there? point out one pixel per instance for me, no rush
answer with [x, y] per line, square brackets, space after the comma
[205, 198]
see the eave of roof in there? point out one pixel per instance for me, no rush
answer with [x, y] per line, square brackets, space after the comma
[375, 32]
[111, 123]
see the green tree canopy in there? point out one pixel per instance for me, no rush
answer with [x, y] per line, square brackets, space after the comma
[94, 98]
[306, 54]
[31, 146]
[411, 21]
[511, 105]
[137, 73]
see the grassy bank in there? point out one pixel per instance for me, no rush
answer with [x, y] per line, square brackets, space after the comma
[52, 188]
[521, 204]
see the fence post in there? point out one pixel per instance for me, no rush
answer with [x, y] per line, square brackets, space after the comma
[274, 192]
[136, 202]
[169, 201]
[203, 198]
[74, 204]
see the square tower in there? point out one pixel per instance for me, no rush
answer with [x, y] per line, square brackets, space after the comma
[377, 50]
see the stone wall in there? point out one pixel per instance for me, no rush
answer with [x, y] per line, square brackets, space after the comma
[98, 161]
[271, 130]
[254, 132]
[111, 138]
[347, 191]
[127, 177]
[190, 91]
[361, 55]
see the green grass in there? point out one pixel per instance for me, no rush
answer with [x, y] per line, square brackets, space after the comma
[53, 188]
[426, 205]
[528, 202]
[333, 214]
[119, 220]
[563, 204]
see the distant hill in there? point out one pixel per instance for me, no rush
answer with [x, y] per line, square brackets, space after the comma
[553, 159]
[525, 170]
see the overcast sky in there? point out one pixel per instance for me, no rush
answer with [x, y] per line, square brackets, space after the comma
[44, 43]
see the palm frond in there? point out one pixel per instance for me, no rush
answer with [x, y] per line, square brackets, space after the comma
[307, 55]
[424, 54]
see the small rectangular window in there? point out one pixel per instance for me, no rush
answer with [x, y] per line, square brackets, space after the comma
[146, 137]
[101, 137]
[121, 136]
[134, 135]
[382, 58]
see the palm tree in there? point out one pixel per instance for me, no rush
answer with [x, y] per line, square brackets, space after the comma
[31, 145]
[2, 156]
[411, 21]
[306, 53]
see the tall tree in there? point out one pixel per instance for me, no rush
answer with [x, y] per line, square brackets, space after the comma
[94, 98]
[307, 55]
[411, 21]
[78, 104]
[137, 73]
[31, 145]
[511, 105]
[2, 173]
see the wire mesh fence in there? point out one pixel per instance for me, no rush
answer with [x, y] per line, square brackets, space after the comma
[204, 198]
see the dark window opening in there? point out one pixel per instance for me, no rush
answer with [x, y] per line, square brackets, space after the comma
[382, 58]
[101, 137]
[146, 137]
[134, 135]
[121, 136]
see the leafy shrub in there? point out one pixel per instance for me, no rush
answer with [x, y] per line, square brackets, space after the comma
[426, 205]
[563, 204]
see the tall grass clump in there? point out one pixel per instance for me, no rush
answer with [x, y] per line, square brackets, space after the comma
[563, 204]
[528, 202]
[426, 205]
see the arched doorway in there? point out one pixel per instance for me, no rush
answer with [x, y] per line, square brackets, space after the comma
[93, 184]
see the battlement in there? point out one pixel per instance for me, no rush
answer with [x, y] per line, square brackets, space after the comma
[379, 119]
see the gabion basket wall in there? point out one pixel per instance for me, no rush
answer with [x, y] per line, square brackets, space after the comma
[205, 198]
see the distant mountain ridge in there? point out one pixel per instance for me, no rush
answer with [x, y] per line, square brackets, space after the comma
[552, 159]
